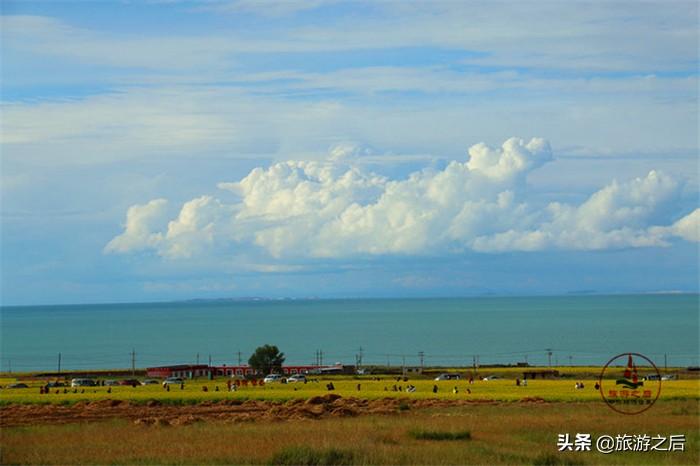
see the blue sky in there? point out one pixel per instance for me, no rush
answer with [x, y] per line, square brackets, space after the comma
[172, 150]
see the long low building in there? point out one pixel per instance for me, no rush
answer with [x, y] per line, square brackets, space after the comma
[202, 370]
[185, 371]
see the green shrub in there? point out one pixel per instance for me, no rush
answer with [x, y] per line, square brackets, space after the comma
[306, 456]
[550, 459]
[437, 435]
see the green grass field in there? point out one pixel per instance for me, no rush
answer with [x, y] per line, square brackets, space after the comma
[506, 433]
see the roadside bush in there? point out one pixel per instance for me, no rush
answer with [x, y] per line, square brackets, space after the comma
[437, 435]
[306, 456]
[550, 459]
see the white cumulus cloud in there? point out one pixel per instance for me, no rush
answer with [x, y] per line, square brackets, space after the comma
[688, 227]
[335, 209]
[140, 233]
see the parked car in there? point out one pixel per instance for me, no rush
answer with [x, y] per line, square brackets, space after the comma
[111, 383]
[274, 378]
[150, 382]
[491, 377]
[82, 383]
[297, 378]
[17, 385]
[132, 382]
[55, 384]
[448, 377]
[172, 381]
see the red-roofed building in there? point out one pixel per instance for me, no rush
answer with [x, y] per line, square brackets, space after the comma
[202, 370]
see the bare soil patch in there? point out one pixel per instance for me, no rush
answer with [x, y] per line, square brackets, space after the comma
[156, 413]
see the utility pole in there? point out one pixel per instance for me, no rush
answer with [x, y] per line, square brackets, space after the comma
[665, 362]
[239, 358]
[421, 355]
[320, 354]
[474, 364]
[133, 362]
[403, 364]
[549, 355]
[570, 363]
[198, 359]
[210, 360]
[358, 360]
[59, 363]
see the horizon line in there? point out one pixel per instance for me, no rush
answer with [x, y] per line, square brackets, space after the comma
[572, 294]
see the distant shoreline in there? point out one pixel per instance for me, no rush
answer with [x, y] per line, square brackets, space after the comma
[254, 299]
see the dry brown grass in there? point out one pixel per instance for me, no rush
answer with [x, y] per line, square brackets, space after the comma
[505, 433]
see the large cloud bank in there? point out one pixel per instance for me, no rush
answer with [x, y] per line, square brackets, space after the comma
[334, 209]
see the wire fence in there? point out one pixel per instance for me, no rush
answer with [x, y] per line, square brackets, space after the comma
[73, 360]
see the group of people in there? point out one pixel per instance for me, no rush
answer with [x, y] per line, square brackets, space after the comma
[47, 390]
[455, 389]
[216, 388]
[233, 384]
[409, 388]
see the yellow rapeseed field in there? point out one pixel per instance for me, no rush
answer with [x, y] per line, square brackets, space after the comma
[194, 390]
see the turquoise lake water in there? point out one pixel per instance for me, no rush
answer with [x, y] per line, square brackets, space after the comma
[578, 329]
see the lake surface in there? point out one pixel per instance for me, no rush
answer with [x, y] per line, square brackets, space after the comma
[578, 330]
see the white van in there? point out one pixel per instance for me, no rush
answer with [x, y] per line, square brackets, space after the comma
[82, 383]
[448, 377]
[273, 378]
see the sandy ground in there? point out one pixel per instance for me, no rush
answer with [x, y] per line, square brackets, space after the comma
[154, 412]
